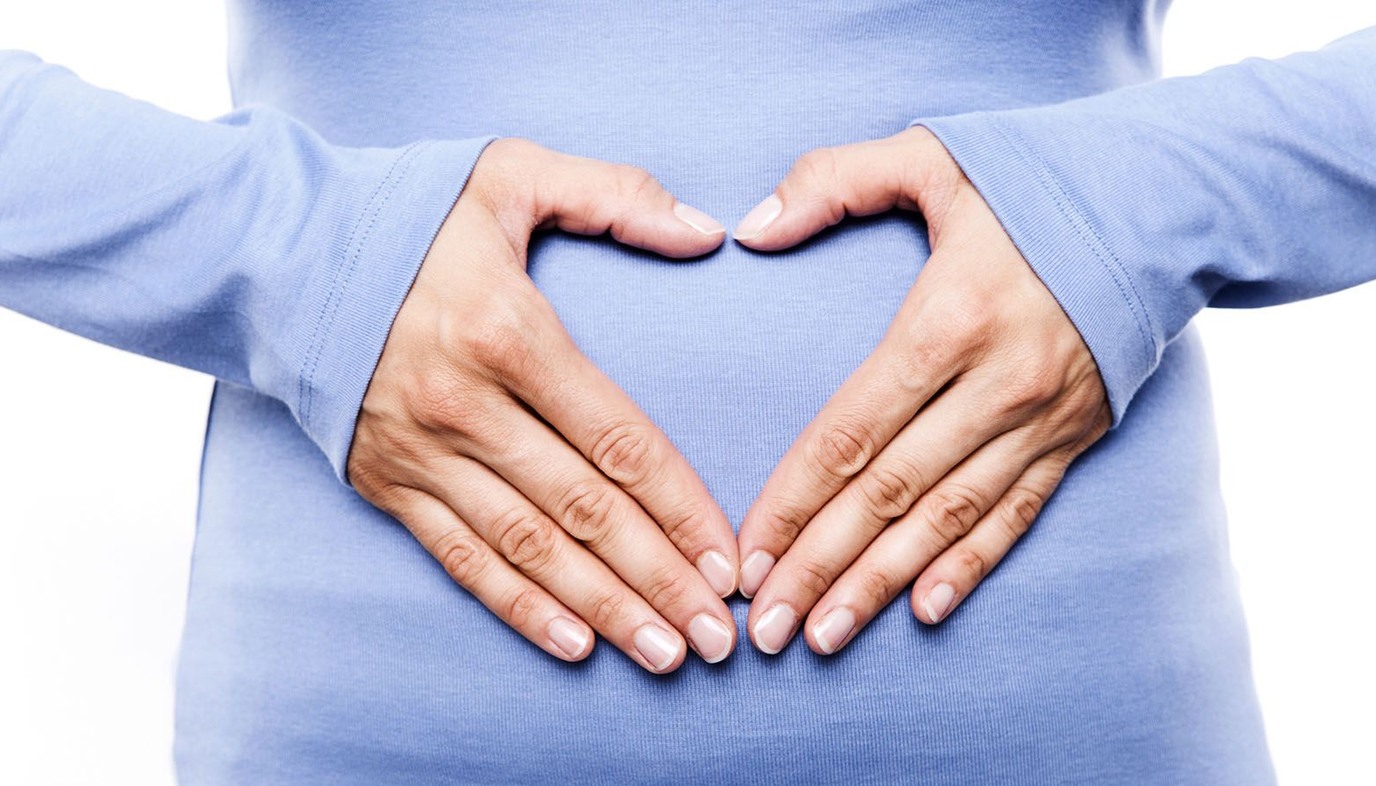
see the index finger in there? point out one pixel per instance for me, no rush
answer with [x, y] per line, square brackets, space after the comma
[827, 184]
[871, 406]
[595, 416]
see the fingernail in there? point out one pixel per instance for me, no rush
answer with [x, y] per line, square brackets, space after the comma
[570, 637]
[835, 626]
[657, 647]
[718, 571]
[759, 217]
[754, 571]
[710, 637]
[697, 219]
[775, 628]
[938, 601]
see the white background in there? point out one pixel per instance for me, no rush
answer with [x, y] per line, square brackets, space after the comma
[99, 453]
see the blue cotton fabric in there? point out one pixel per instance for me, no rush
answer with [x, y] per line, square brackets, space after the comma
[272, 248]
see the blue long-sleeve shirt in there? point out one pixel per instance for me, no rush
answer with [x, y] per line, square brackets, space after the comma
[1250, 185]
[248, 248]
[273, 247]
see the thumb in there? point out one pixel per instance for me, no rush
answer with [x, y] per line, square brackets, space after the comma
[829, 183]
[588, 197]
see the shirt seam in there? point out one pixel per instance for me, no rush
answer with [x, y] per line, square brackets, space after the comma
[377, 203]
[1122, 279]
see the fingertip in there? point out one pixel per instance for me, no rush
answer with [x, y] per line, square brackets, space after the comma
[754, 571]
[774, 629]
[751, 229]
[833, 631]
[572, 641]
[684, 241]
[660, 650]
[702, 223]
[712, 638]
[915, 603]
[720, 573]
[932, 605]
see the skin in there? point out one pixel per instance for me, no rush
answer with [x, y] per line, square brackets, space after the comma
[544, 491]
[937, 454]
[529, 475]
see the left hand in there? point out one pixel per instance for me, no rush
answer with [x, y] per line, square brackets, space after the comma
[939, 451]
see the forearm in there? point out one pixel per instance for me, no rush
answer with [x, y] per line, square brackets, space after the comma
[1248, 185]
[247, 247]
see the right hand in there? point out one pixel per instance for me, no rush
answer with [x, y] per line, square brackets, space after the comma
[534, 480]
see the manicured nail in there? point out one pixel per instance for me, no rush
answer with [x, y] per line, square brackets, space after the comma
[571, 638]
[718, 572]
[710, 637]
[759, 217]
[656, 646]
[698, 220]
[835, 626]
[775, 628]
[938, 601]
[754, 571]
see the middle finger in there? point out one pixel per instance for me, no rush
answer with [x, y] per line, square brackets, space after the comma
[951, 428]
[537, 547]
[558, 480]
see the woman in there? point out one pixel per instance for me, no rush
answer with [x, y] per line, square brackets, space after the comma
[324, 644]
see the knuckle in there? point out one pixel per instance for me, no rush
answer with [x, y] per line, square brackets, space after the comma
[436, 400]
[462, 556]
[506, 177]
[925, 355]
[1084, 404]
[813, 576]
[972, 565]
[889, 491]
[666, 590]
[371, 481]
[501, 341]
[935, 173]
[785, 524]
[878, 588]
[1024, 505]
[1037, 385]
[407, 446]
[842, 449]
[816, 174]
[527, 541]
[585, 511]
[523, 607]
[635, 183]
[606, 610]
[623, 454]
[681, 527]
[1043, 383]
[1099, 426]
[952, 511]
[818, 165]
[963, 320]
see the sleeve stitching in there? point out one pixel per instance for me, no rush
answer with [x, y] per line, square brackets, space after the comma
[1121, 278]
[377, 201]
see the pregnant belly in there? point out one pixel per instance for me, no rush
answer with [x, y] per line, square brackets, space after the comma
[324, 646]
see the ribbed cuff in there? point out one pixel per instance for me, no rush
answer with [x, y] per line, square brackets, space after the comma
[389, 241]
[1073, 262]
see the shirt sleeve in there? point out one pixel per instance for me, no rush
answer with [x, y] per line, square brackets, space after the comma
[246, 247]
[1248, 185]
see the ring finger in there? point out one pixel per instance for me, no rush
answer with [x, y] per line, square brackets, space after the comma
[912, 544]
[921, 455]
[536, 546]
[478, 568]
[557, 479]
